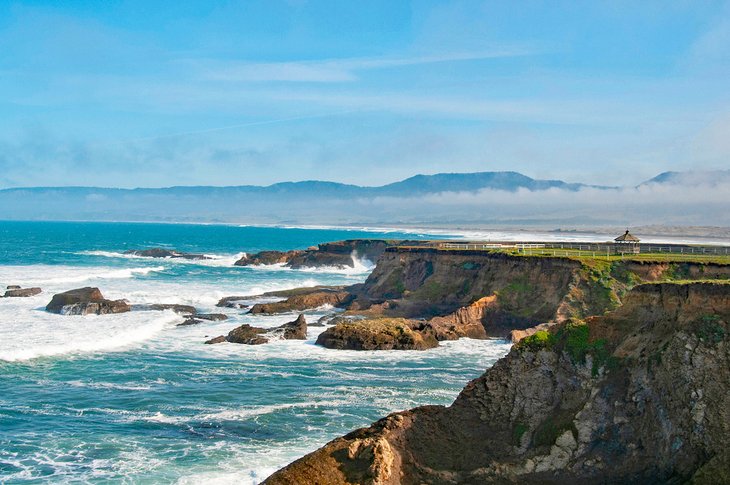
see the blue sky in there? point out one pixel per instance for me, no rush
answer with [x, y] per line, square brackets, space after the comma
[139, 93]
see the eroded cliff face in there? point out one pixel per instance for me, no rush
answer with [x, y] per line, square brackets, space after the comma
[639, 394]
[504, 292]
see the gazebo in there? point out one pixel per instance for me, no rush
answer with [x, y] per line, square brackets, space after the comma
[626, 243]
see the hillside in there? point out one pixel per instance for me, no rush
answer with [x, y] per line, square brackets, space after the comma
[451, 198]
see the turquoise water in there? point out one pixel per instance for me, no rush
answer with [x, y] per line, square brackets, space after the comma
[132, 398]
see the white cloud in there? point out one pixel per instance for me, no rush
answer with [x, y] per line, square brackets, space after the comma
[331, 70]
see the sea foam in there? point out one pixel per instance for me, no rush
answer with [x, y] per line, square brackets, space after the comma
[214, 260]
[50, 335]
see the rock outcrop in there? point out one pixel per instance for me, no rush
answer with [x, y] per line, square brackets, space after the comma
[165, 253]
[469, 321]
[339, 254]
[378, 334]
[296, 330]
[297, 299]
[233, 302]
[211, 317]
[639, 395]
[189, 321]
[85, 301]
[216, 340]
[246, 334]
[177, 308]
[14, 291]
[517, 335]
[302, 299]
[266, 258]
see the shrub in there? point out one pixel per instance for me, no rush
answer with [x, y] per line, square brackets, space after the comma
[538, 341]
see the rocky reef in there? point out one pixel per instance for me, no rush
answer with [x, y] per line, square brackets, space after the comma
[175, 307]
[16, 291]
[85, 301]
[165, 253]
[639, 394]
[249, 335]
[337, 254]
[297, 299]
[302, 299]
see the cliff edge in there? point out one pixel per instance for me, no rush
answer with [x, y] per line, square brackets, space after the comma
[638, 394]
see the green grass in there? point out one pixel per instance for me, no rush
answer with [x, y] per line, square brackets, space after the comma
[573, 339]
[540, 340]
[586, 256]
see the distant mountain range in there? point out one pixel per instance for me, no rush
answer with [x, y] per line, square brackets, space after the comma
[314, 201]
[710, 178]
[416, 185]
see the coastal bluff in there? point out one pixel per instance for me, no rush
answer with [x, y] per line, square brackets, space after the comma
[446, 294]
[638, 394]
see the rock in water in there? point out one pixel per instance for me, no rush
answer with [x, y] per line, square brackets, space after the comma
[189, 321]
[339, 254]
[266, 258]
[248, 335]
[296, 330]
[85, 301]
[216, 340]
[304, 301]
[185, 309]
[233, 302]
[211, 317]
[18, 292]
[165, 253]
[378, 334]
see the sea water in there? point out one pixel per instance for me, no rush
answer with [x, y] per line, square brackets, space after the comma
[133, 398]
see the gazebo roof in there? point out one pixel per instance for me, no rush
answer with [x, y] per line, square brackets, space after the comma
[627, 237]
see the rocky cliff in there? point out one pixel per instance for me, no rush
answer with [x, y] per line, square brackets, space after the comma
[503, 292]
[637, 395]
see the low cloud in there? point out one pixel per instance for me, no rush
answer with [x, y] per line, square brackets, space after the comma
[704, 204]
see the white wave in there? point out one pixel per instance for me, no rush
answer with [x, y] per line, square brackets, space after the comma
[40, 275]
[111, 274]
[239, 414]
[215, 260]
[111, 254]
[219, 259]
[109, 385]
[47, 335]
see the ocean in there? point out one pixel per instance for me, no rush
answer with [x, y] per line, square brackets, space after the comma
[133, 398]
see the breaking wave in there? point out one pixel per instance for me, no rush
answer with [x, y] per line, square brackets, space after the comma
[54, 335]
[216, 260]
